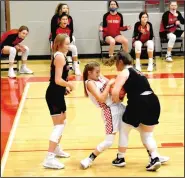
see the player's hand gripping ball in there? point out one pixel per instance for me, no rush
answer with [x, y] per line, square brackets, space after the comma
[121, 93]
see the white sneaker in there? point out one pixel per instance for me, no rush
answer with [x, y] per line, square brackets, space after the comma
[85, 163]
[11, 73]
[25, 70]
[163, 159]
[60, 153]
[168, 58]
[53, 163]
[76, 68]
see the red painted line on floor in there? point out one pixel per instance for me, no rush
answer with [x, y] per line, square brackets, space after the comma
[163, 145]
[172, 144]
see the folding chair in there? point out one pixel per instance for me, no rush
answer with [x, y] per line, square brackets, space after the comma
[103, 43]
[164, 49]
[144, 56]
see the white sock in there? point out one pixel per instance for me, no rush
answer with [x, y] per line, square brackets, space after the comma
[154, 154]
[121, 155]
[51, 155]
[110, 55]
[168, 53]
[23, 65]
[150, 60]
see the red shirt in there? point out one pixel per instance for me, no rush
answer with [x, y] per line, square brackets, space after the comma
[113, 24]
[168, 22]
[61, 30]
[10, 38]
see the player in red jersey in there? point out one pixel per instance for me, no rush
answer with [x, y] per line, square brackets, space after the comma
[10, 44]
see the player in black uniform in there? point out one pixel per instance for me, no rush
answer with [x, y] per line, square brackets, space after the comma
[10, 45]
[55, 99]
[143, 107]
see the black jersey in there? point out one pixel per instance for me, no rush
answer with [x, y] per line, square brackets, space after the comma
[64, 73]
[136, 84]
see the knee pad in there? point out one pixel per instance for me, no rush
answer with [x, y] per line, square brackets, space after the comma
[172, 38]
[138, 46]
[123, 134]
[26, 53]
[73, 49]
[107, 143]
[12, 54]
[57, 132]
[150, 45]
[148, 140]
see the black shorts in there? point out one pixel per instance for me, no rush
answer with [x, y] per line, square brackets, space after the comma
[55, 99]
[144, 109]
[178, 33]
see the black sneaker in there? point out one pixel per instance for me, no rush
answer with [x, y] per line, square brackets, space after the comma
[154, 164]
[120, 162]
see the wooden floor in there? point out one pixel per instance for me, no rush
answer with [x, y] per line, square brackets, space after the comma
[85, 130]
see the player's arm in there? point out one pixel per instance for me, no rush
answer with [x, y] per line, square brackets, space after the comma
[59, 64]
[101, 97]
[119, 82]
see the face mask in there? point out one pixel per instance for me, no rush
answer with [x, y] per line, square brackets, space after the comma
[113, 9]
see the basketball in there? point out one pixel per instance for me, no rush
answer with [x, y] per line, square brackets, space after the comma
[121, 93]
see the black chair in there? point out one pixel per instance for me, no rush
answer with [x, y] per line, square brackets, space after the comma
[164, 41]
[103, 43]
[144, 55]
[5, 61]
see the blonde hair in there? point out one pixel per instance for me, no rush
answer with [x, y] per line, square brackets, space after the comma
[59, 6]
[59, 41]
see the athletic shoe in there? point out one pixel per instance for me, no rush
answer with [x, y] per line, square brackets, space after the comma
[85, 163]
[119, 162]
[169, 58]
[11, 73]
[25, 70]
[52, 163]
[154, 164]
[60, 153]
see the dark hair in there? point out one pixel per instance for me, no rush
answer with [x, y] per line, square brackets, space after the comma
[125, 57]
[115, 2]
[23, 28]
[63, 15]
[88, 67]
[141, 14]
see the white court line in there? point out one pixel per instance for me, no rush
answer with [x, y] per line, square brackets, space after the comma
[13, 130]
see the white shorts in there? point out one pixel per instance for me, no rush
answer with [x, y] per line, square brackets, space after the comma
[112, 116]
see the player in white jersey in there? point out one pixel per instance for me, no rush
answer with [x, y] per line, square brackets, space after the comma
[97, 88]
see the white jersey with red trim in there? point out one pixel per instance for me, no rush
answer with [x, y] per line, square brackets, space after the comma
[100, 84]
